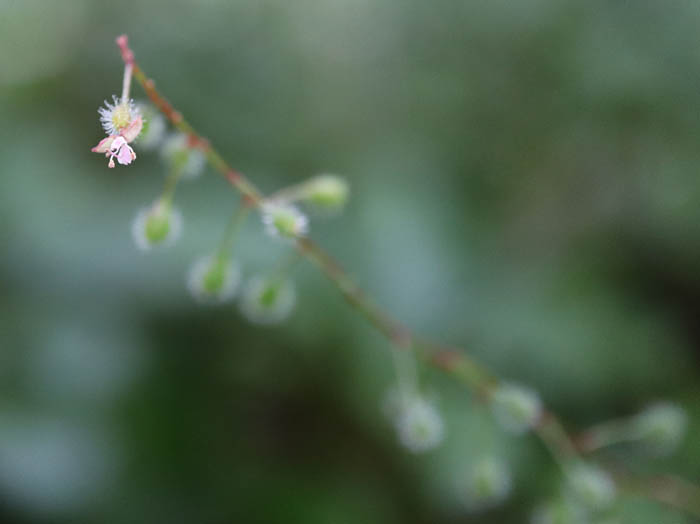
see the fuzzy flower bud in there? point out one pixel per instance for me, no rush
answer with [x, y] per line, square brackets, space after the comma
[158, 225]
[284, 220]
[488, 484]
[213, 280]
[517, 409]
[178, 153]
[267, 300]
[661, 426]
[154, 127]
[327, 192]
[418, 423]
[592, 486]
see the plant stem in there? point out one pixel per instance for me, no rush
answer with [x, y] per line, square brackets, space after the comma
[606, 434]
[451, 360]
[234, 225]
[290, 194]
[171, 185]
[126, 86]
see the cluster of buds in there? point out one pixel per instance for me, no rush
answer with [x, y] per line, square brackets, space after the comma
[281, 216]
[215, 279]
[212, 279]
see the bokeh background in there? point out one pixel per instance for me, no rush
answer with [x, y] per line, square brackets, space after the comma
[524, 183]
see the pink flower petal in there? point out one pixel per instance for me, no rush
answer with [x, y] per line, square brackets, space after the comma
[104, 144]
[131, 131]
[117, 144]
[125, 155]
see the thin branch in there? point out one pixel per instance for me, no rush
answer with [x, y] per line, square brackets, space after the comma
[671, 490]
[454, 361]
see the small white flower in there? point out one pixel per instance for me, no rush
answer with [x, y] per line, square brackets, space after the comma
[179, 154]
[212, 280]
[488, 484]
[117, 116]
[283, 220]
[418, 424]
[158, 225]
[267, 300]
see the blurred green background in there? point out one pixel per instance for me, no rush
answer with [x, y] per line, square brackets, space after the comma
[524, 183]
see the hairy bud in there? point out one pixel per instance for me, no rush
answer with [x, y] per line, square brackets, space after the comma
[327, 192]
[154, 127]
[516, 408]
[158, 225]
[180, 156]
[488, 484]
[213, 280]
[592, 486]
[284, 220]
[661, 426]
[267, 300]
[418, 423]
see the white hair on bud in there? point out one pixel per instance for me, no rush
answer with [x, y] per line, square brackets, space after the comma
[284, 220]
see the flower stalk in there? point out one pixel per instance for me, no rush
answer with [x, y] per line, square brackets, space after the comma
[454, 362]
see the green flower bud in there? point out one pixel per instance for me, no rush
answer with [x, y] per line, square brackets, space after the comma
[212, 279]
[284, 220]
[592, 486]
[267, 300]
[180, 156]
[154, 127]
[661, 426]
[158, 225]
[327, 192]
[418, 423]
[516, 408]
[488, 484]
